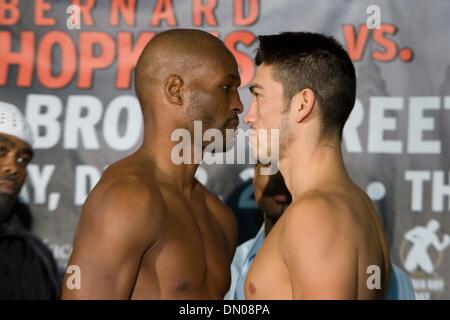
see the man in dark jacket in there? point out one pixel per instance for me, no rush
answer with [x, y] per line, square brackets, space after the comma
[27, 267]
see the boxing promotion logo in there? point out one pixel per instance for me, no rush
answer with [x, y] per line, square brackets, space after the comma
[422, 239]
[422, 253]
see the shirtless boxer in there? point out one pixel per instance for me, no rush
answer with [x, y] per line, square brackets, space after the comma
[323, 245]
[149, 230]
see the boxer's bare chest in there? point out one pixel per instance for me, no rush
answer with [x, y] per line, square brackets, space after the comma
[190, 260]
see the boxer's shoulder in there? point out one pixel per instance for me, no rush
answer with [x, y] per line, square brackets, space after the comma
[126, 201]
[322, 215]
[315, 205]
[324, 205]
[118, 185]
[318, 232]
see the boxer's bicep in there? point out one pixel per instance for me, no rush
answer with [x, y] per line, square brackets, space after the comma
[107, 262]
[320, 257]
[114, 232]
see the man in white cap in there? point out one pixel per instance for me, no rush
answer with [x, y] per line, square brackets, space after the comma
[27, 266]
[15, 154]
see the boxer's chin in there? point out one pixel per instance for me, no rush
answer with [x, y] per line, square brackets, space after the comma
[230, 139]
[253, 147]
[262, 152]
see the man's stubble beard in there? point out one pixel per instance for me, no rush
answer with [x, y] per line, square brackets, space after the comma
[286, 136]
[197, 111]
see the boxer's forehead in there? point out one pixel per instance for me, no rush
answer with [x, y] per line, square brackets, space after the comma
[265, 85]
[219, 68]
[223, 59]
[264, 77]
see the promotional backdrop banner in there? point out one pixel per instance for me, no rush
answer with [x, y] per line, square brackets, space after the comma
[68, 65]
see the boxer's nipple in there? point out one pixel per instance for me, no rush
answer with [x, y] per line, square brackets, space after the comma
[251, 288]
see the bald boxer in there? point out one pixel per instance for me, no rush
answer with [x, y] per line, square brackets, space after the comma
[329, 241]
[149, 230]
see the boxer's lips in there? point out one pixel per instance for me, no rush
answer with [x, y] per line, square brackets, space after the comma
[258, 133]
[8, 186]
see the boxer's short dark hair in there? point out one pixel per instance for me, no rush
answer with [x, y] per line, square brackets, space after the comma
[303, 60]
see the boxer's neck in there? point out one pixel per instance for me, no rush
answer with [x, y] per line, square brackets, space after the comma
[158, 148]
[310, 167]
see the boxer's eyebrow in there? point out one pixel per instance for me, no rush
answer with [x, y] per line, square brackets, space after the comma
[235, 78]
[255, 86]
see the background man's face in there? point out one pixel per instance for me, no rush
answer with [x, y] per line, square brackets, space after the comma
[267, 111]
[15, 155]
[271, 193]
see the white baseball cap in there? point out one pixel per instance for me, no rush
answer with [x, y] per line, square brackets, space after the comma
[13, 122]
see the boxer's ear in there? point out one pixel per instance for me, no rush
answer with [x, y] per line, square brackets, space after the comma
[173, 89]
[303, 104]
